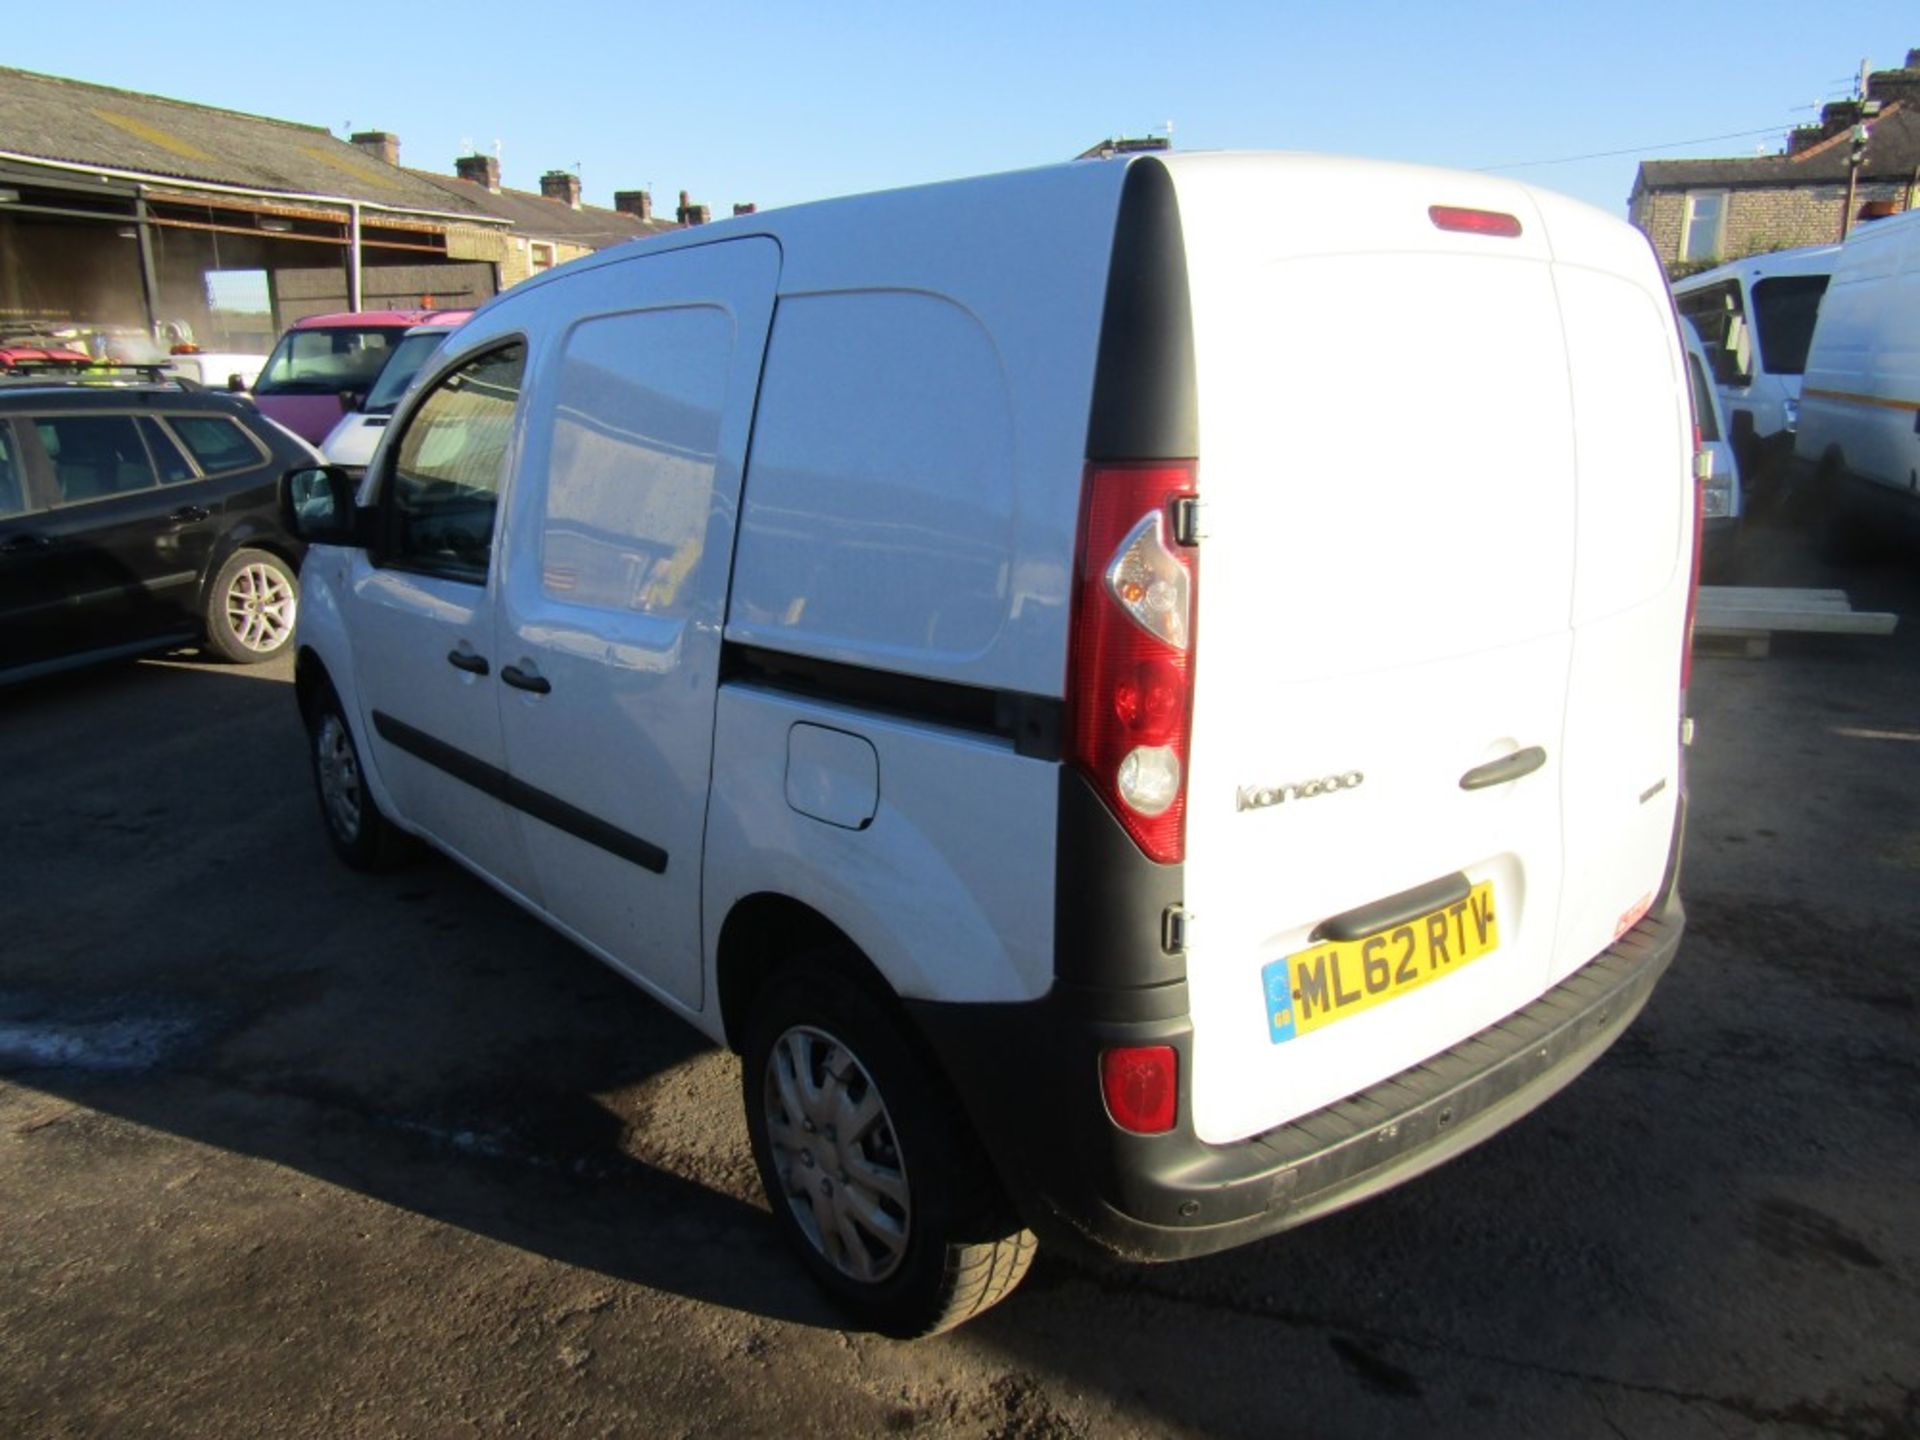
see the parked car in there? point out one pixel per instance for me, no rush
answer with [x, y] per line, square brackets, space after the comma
[324, 365]
[351, 443]
[1111, 770]
[1721, 500]
[1756, 317]
[1859, 439]
[137, 517]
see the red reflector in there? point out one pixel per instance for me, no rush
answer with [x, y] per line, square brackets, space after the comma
[1474, 222]
[1142, 1087]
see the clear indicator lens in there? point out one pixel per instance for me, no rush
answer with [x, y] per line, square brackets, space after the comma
[1149, 778]
[1150, 584]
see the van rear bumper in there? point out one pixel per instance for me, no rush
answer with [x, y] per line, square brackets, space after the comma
[1029, 1074]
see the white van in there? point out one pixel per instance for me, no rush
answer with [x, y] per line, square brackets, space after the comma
[998, 656]
[351, 443]
[1860, 413]
[1756, 317]
[1721, 501]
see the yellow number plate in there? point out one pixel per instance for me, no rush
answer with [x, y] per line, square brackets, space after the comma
[1316, 987]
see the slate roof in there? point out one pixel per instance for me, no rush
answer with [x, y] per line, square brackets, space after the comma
[56, 119]
[1893, 154]
[536, 216]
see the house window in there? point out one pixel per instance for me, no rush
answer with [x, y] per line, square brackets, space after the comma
[541, 256]
[1706, 220]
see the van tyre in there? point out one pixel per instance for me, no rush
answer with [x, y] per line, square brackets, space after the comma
[251, 606]
[870, 1171]
[358, 832]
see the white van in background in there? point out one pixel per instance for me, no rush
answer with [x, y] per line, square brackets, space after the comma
[995, 655]
[1756, 318]
[1860, 412]
[1716, 467]
[351, 443]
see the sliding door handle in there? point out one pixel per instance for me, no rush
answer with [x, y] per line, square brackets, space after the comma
[467, 661]
[522, 680]
[1506, 768]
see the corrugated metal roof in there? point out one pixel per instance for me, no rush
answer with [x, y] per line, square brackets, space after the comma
[69, 120]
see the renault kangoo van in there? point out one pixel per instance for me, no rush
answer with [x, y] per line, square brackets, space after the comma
[1004, 658]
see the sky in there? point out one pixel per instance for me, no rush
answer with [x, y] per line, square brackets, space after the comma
[777, 103]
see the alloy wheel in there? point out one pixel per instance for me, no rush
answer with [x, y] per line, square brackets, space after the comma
[260, 605]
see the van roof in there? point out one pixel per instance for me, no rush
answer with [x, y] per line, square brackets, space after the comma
[365, 319]
[1802, 260]
[1041, 204]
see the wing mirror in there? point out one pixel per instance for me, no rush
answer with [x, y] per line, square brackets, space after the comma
[317, 504]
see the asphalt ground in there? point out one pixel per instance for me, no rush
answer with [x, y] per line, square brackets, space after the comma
[289, 1151]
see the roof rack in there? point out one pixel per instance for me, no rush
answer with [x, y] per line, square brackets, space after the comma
[100, 372]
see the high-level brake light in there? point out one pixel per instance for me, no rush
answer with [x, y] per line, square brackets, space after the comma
[1474, 222]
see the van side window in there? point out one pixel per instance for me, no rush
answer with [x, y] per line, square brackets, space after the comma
[636, 424]
[879, 499]
[445, 484]
[1702, 400]
[1719, 316]
[1784, 309]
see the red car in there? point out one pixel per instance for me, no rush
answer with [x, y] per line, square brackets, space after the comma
[324, 362]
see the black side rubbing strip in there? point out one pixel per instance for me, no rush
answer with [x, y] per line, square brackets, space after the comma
[1145, 402]
[1032, 722]
[1507, 767]
[538, 803]
[1371, 919]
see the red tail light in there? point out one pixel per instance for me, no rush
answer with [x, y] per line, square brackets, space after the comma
[1142, 1087]
[1130, 657]
[1693, 579]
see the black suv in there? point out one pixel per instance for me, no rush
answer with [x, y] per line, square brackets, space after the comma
[135, 517]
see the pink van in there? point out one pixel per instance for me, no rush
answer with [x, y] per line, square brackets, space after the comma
[325, 364]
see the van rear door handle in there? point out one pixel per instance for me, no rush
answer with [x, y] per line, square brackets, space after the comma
[467, 661]
[521, 680]
[1507, 767]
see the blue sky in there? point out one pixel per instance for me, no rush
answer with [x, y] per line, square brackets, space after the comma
[782, 103]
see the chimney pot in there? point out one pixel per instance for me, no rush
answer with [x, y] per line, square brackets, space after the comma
[745, 209]
[637, 203]
[379, 144]
[480, 169]
[561, 185]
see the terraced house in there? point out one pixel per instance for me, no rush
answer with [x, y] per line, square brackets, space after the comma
[1701, 212]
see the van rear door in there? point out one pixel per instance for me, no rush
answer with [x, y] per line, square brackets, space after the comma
[1385, 633]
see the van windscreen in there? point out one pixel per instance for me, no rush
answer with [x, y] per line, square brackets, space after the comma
[327, 361]
[1783, 311]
